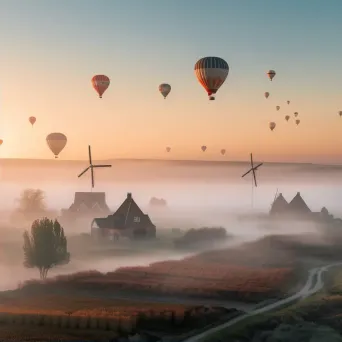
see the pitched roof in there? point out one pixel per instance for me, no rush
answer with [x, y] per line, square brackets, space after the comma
[298, 205]
[90, 201]
[324, 211]
[280, 205]
[125, 216]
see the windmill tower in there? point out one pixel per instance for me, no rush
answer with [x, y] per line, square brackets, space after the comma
[253, 169]
[91, 167]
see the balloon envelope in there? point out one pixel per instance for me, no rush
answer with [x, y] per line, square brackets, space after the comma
[297, 122]
[340, 112]
[295, 114]
[223, 151]
[287, 117]
[288, 102]
[56, 142]
[211, 72]
[1, 141]
[100, 84]
[165, 89]
[267, 94]
[271, 74]
[272, 125]
[168, 149]
[32, 120]
[278, 107]
[203, 148]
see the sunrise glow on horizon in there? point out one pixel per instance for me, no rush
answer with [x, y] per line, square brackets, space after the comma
[51, 50]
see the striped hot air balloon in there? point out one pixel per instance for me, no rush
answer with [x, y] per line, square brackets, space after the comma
[211, 73]
[100, 84]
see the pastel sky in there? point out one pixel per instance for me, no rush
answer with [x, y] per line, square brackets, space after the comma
[50, 49]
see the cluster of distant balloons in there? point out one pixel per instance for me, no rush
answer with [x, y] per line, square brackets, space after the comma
[272, 124]
[211, 72]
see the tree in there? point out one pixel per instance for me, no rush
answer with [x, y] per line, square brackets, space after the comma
[45, 246]
[31, 203]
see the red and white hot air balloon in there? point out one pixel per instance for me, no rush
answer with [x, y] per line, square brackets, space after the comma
[271, 74]
[32, 120]
[211, 72]
[203, 148]
[100, 84]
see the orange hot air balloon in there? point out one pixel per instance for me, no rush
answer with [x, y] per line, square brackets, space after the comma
[100, 84]
[272, 125]
[56, 142]
[204, 148]
[32, 120]
[1, 141]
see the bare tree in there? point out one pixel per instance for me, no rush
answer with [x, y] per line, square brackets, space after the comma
[45, 246]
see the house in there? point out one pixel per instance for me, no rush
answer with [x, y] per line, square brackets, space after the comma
[298, 206]
[85, 207]
[279, 206]
[127, 222]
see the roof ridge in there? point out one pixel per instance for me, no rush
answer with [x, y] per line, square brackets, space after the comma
[129, 207]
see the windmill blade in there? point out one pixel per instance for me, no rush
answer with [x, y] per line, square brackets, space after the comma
[255, 182]
[102, 165]
[90, 160]
[92, 177]
[247, 173]
[83, 172]
[255, 168]
[252, 160]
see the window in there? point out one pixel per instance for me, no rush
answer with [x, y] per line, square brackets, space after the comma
[136, 219]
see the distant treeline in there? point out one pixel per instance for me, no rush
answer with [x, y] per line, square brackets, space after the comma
[200, 236]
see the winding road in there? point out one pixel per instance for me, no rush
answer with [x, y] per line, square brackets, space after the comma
[314, 284]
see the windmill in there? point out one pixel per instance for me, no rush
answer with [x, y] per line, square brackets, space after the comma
[253, 169]
[91, 167]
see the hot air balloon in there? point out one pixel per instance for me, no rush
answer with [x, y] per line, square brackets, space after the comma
[271, 74]
[297, 122]
[340, 113]
[168, 149]
[100, 84]
[223, 151]
[56, 142]
[203, 148]
[295, 114]
[1, 141]
[267, 94]
[165, 89]
[32, 120]
[288, 102]
[278, 107]
[272, 125]
[287, 117]
[211, 72]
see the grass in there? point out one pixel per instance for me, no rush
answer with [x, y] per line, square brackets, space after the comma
[78, 305]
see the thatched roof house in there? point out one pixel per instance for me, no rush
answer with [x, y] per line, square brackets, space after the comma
[128, 221]
[298, 205]
[279, 206]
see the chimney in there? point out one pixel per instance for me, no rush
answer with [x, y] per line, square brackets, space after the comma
[129, 195]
